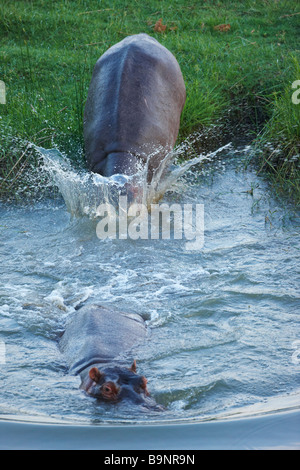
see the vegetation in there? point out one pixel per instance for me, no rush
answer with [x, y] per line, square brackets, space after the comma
[239, 60]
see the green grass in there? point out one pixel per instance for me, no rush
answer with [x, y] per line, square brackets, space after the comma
[49, 48]
[278, 144]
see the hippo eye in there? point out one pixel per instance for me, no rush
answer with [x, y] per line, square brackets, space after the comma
[143, 385]
[144, 382]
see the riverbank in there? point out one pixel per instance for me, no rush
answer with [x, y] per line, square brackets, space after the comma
[239, 61]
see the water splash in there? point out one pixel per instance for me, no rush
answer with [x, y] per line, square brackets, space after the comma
[84, 191]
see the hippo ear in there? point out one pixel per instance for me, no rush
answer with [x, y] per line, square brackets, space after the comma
[95, 374]
[133, 367]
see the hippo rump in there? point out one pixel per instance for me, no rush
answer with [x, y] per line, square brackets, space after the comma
[94, 344]
[133, 107]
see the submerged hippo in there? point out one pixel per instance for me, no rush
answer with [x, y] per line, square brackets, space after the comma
[92, 344]
[133, 107]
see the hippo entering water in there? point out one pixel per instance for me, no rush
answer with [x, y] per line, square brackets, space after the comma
[92, 344]
[133, 108]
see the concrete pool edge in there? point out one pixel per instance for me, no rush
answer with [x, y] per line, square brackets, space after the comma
[280, 430]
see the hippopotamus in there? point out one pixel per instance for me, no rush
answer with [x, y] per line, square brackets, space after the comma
[133, 108]
[94, 344]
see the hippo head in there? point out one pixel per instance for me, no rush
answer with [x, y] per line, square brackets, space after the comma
[114, 383]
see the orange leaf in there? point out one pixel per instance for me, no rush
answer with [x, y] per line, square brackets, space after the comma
[159, 27]
[223, 28]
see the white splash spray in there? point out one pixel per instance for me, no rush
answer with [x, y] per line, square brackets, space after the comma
[84, 191]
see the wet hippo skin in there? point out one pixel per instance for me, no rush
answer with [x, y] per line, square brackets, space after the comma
[131, 117]
[92, 345]
[133, 107]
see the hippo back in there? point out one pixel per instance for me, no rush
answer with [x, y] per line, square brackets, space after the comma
[134, 103]
[99, 335]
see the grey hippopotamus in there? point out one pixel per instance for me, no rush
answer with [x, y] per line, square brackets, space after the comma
[133, 108]
[93, 345]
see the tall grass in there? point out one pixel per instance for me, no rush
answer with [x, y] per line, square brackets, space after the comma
[278, 145]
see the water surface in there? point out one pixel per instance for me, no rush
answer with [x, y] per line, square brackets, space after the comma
[223, 320]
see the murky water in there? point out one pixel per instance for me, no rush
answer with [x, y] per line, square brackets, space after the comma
[223, 320]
